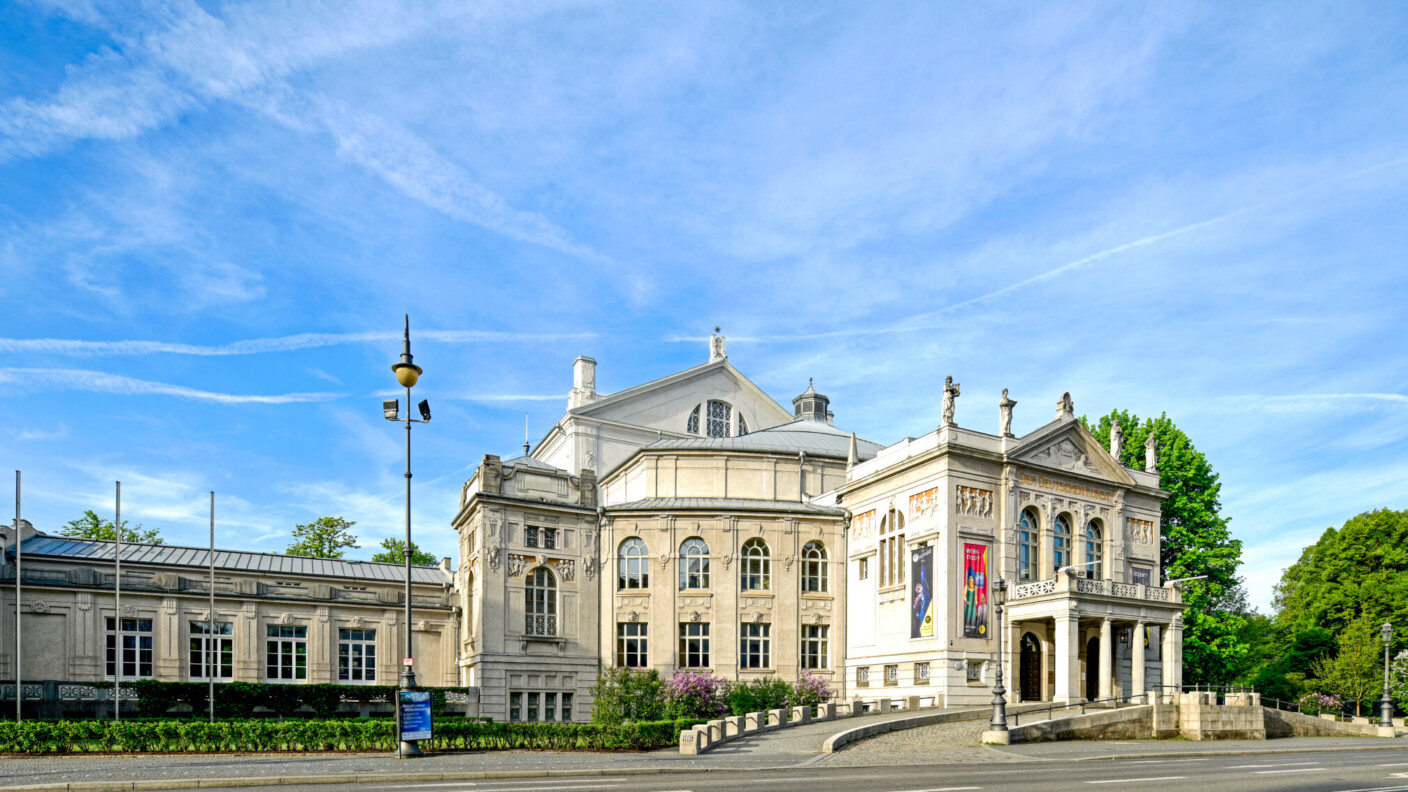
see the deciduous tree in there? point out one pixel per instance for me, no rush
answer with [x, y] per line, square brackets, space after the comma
[393, 552]
[325, 537]
[91, 526]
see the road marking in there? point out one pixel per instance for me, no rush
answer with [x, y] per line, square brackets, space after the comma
[939, 789]
[1394, 764]
[1297, 770]
[1133, 780]
[1274, 764]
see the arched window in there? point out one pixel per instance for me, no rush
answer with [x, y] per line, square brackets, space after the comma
[1027, 552]
[755, 566]
[694, 564]
[1060, 543]
[891, 551]
[1094, 551]
[693, 426]
[813, 567]
[719, 418]
[541, 606]
[631, 569]
[742, 425]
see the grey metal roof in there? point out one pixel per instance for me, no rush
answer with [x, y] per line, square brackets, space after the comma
[102, 550]
[530, 462]
[814, 437]
[722, 504]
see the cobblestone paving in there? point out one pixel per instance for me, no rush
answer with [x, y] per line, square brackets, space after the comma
[943, 743]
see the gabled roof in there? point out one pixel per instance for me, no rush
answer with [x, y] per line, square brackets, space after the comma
[690, 373]
[530, 462]
[804, 435]
[198, 558]
[1048, 446]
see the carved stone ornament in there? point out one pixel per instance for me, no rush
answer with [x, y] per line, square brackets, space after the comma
[758, 616]
[589, 567]
[495, 554]
[128, 611]
[634, 617]
[355, 623]
[694, 616]
[422, 625]
[566, 567]
[787, 562]
[923, 504]
[664, 559]
[728, 559]
[973, 502]
[518, 563]
[287, 618]
[1065, 455]
[819, 619]
[39, 606]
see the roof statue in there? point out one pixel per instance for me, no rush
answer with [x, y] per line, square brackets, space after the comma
[1116, 438]
[1065, 408]
[951, 392]
[1005, 414]
[1151, 453]
[716, 347]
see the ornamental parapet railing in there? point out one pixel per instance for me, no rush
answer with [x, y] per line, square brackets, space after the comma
[1094, 586]
[540, 624]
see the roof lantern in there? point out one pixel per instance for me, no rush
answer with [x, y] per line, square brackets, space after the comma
[812, 405]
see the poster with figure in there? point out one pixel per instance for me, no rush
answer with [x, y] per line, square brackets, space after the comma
[921, 607]
[975, 591]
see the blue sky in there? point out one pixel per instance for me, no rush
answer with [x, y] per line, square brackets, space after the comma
[213, 215]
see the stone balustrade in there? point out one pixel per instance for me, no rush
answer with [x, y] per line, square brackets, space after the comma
[716, 732]
[1069, 584]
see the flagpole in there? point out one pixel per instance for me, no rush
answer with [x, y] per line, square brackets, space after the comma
[210, 637]
[19, 651]
[117, 611]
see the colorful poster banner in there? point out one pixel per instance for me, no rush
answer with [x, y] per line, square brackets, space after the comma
[415, 714]
[921, 608]
[975, 591]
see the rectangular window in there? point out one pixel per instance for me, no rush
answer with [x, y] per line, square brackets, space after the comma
[515, 706]
[755, 648]
[356, 655]
[530, 536]
[1153, 643]
[286, 652]
[537, 706]
[815, 638]
[212, 653]
[694, 645]
[864, 571]
[921, 673]
[975, 670]
[892, 675]
[567, 706]
[533, 697]
[549, 706]
[136, 648]
[549, 538]
[863, 677]
[630, 645]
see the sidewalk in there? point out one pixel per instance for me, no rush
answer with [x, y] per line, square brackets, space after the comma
[1170, 749]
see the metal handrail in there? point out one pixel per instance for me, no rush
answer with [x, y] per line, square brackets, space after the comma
[1116, 700]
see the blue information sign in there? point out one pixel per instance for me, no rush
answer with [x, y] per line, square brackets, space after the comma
[415, 714]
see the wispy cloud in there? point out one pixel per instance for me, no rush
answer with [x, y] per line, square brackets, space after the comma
[259, 346]
[40, 434]
[101, 382]
[1315, 402]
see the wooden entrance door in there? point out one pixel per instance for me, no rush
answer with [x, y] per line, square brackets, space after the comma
[1031, 668]
[1092, 669]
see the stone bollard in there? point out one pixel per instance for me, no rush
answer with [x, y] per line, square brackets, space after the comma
[777, 718]
[885, 706]
[911, 703]
[689, 742]
[755, 722]
[733, 726]
[801, 714]
[857, 706]
[827, 711]
[716, 732]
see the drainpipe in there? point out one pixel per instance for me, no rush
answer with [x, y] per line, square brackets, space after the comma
[802, 476]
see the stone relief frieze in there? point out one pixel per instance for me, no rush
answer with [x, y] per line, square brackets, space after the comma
[923, 504]
[518, 563]
[973, 502]
[1065, 455]
[40, 606]
[1140, 531]
[566, 568]
[863, 525]
[697, 602]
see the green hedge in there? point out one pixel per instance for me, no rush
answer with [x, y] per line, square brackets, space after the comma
[360, 734]
[238, 699]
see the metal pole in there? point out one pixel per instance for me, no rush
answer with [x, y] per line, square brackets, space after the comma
[210, 629]
[999, 703]
[1386, 704]
[408, 674]
[19, 688]
[117, 611]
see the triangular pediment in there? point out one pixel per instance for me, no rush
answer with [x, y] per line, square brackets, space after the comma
[1066, 445]
[666, 403]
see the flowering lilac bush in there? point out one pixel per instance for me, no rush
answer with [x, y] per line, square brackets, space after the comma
[810, 690]
[1316, 703]
[695, 694]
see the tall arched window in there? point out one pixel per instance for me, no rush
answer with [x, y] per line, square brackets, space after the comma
[813, 567]
[1028, 549]
[1060, 543]
[720, 415]
[755, 566]
[742, 425]
[693, 425]
[1094, 551]
[631, 569]
[694, 564]
[891, 551]
[541, 606]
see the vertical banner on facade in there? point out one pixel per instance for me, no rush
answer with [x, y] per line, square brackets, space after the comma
[975, 591]
[921, 609]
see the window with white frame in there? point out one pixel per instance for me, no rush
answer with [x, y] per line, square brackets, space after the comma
[1060, 543]
[814, 567]
[136, 643]
[631, 649]
[1027, 550]
[720, 415]
[755, 646]
[694, 564]
[755, 567]
[1094, 551]
[694, 644]
[815, 642]
[863, 568]
[631, 565]
[892, 550]
[356, 655]
[285, 652]
[212, 652]
[540, 603]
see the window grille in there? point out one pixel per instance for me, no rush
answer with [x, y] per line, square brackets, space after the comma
[692, 426]
[719, 414]
[921, 673]
[863, 677]
[530, 536]
[975, 670]
[540, 613]
[892, 675]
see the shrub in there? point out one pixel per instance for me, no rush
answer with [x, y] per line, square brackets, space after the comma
[695, 694]
[810, 691]
[238, 699]
[758, 695]
[1316, 703]
[621, 695]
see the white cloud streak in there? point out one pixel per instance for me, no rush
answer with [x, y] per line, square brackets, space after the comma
[102, 382]
[1315, 402]
[259, 346]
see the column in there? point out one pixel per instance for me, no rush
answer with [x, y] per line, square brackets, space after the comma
[1106, 652]
[1067, 660]
[1136, 661]
[1176, 633]
[1013, 660]
[1171, 681]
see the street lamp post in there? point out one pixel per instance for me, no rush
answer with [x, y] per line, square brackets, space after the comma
[407, 373]
[1386, 703]
[999, 699]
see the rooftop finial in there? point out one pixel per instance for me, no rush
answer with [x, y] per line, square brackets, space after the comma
[716, 346]
[525, 433]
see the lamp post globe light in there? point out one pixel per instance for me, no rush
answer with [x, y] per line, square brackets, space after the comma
[407, 374]
[1386, 703]
[999, 698]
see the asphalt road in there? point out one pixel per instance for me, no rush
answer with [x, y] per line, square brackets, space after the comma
[1367, 771]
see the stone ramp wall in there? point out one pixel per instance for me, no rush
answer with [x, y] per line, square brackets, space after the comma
[1294, 724]
[1129, 723]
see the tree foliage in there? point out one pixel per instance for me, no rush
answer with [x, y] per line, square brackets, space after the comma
[1359, 570]
[325, 537]
[393, 552]
[91, 526]
[1354, 672]
[1195, 541]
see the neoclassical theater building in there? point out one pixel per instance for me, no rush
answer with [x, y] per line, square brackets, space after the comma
[691, 522]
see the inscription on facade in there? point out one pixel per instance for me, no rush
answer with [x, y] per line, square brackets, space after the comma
[1056, 485]
[974, 502]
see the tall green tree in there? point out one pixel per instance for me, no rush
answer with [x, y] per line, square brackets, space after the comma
[393, 552]
[91, 526]
[1195, 541]
[325, 537]
[1354, 673]
[1359, 570]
